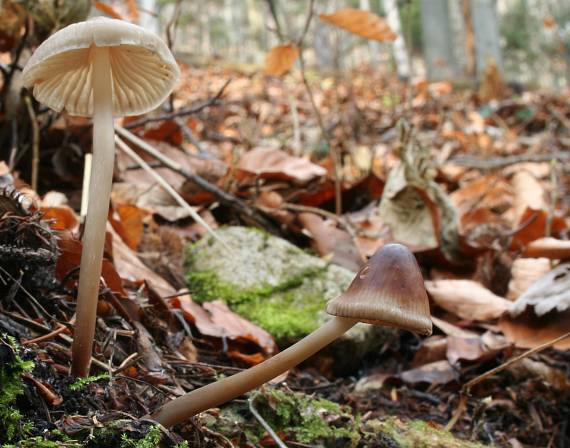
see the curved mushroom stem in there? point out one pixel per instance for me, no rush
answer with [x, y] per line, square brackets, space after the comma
[182, 408]
[98, 209]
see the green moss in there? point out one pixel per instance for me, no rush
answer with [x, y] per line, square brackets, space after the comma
[80, 382]
[307, 419]
[12, 368]
[282, 316]
[274, 308]
[150, 440]
[415, 434]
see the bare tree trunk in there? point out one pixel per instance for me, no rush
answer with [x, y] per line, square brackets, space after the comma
[401, 55]
[438, 40]
[486, 31]
[147, 19]
[373, 46]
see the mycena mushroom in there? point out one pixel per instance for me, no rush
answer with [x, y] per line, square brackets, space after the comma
[388, 290]
[102, 68]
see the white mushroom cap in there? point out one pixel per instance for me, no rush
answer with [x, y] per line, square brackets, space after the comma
[143, 68]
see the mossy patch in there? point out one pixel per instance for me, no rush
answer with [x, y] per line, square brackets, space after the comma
[267, 280]
[12, 367]
[296, 416]
[308, 419]
[414, 434]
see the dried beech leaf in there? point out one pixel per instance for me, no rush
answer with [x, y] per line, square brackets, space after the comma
[108, 10]
[467, 299]
[524, 272]
[362, 23]
[60, 218]
[280, 59]
[278, 165]
[534, 225]
[332, 241]
[439, 372]
[527, 330]
[549, 293]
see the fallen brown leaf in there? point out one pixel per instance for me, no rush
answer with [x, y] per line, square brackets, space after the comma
[280, 59]
[277, 165]
[467, 299]
[362, 23]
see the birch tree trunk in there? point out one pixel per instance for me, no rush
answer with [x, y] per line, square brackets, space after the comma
[373, 46]
[438, 40]
[401, 55]
[486, 32]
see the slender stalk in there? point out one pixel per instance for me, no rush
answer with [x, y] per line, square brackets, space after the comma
[97, 211]
[214, 394]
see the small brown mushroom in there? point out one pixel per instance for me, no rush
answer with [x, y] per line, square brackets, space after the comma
[388, 290]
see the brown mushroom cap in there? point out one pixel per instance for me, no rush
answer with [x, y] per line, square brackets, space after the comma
[388, 290]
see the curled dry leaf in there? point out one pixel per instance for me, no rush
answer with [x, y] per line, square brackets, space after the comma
[131, 268]
[362, 23]
[108, 10]
[238, 327]
[469, 349]
[549, 293]
[435, 373]
[529, 193]
[542, 312]
[533, 225]
[277, 165]
[524, 272]
[431, 349]
[218, 321]
[70, 257]
[467, 299]
[331, 241]
[61, 217]
[128, 223]
[527, 330]
[280, 59]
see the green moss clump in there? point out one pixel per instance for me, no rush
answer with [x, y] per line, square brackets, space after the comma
[81, 382]
[151, 440]
[415, 434]
[12, 367]
[282, 316]
[273, 308]
[307, 419]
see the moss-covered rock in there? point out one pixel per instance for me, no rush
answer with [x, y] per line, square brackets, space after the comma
[274, 284]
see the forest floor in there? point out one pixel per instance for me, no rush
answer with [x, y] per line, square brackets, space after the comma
[475, 182]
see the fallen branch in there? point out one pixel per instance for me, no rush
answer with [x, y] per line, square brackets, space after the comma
[237, 204]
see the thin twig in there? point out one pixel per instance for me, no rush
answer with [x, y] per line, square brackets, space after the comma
[264, 423]
[466, 389]
[223, 196]
[214, 101]
[171, 191]
[495, 163]
[35, 141]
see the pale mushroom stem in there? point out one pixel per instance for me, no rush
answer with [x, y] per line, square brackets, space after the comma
[214, 394]
[97, 211]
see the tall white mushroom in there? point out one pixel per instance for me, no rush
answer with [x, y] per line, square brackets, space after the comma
[102, 68]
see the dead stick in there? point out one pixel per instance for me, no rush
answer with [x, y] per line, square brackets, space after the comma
[467, 386]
